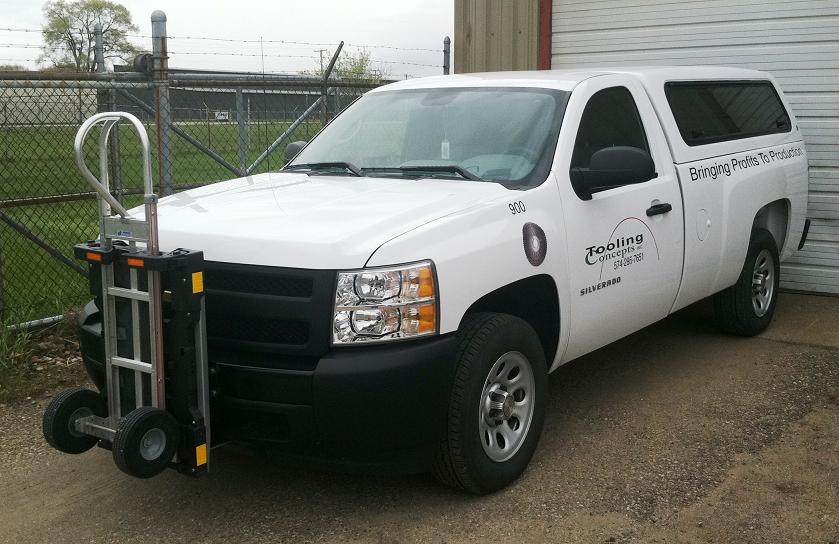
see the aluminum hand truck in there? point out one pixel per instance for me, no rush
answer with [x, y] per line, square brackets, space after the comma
[154, 412]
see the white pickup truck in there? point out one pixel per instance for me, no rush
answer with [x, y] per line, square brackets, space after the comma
[399, 292]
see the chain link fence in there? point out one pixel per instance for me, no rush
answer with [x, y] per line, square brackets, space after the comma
[203, 128]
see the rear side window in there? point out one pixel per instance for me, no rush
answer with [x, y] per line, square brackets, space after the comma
[715, 111]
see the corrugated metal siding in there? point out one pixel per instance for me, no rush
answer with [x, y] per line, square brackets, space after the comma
[494, 35]
[796, 40]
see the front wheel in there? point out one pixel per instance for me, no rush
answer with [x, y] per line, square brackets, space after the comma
[746, 308]
[145, 442]
[497, 405]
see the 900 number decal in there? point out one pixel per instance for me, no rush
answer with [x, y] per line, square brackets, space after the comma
[517, 207]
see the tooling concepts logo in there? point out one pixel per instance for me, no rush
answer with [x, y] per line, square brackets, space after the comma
[616, 249]
[626, 246]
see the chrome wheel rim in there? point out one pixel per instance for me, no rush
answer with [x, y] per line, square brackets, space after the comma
[506, 406]
[152, 444]
[763, 282]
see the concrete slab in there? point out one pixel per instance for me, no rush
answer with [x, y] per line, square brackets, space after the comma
[805, 319]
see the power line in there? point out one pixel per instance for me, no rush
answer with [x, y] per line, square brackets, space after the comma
[38, 30]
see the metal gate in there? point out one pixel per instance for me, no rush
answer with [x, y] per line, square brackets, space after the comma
[796, 40]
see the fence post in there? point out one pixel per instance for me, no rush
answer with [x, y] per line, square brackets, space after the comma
[2, 290]
[324, 98]
[106, 101]
[243, 132]
[162, 111]
[447, 55]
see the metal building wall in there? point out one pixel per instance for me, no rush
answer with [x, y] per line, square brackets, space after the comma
[492, 35]
[796, 40]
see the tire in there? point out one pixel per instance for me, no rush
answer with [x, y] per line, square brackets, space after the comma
[737, 308]
[471, 457]
[62, 412]
[145, 442]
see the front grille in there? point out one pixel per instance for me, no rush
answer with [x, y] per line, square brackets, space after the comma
[262, 330]
[267, 316]
[249, 281]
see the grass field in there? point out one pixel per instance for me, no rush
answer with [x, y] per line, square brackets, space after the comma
[38, 162]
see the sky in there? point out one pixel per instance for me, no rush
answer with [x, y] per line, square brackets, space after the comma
[412, 26]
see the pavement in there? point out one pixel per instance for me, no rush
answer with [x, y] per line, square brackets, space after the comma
[677, 433]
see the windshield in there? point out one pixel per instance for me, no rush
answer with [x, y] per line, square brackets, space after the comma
[505, 135]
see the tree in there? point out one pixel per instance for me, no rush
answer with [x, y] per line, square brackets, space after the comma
[69, 38]
[13, 68]
[352, 66]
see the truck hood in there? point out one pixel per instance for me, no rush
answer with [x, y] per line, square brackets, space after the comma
[300, 221]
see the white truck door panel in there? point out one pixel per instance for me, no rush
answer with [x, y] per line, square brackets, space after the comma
[624, 266]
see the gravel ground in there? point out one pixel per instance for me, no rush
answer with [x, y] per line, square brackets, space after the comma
[674, 434]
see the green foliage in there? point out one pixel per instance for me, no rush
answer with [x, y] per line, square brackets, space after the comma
[69, 32]
[357, 65]
[12, 68]
[14, 346]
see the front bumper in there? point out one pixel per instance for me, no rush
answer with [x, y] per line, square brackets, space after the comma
[376, 405]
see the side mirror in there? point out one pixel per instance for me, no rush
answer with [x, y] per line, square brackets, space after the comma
[613, 167]
[292, 149]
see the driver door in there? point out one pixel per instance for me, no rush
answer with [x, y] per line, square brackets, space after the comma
[625, 254]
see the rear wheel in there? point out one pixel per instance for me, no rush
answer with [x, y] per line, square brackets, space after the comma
[497, 405]
[746, 308]
[59, 422]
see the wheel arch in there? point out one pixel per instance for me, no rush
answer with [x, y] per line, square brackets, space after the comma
[534, 299]
[774, 217]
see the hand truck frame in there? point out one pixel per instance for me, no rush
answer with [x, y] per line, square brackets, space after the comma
[155, 410]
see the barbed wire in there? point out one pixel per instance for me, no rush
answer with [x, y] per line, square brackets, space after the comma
[240, 41]
[312, 57]
[231, 54]
[396, 48]
[290, 42]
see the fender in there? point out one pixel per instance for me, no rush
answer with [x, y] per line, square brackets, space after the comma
[482, 249]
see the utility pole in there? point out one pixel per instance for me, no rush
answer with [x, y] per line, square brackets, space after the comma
[321, 51]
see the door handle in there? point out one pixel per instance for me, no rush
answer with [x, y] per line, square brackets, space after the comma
[658, 209]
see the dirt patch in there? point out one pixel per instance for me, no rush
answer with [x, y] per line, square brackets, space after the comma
[786, 493]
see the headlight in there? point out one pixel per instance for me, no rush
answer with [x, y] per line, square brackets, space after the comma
[380, 304]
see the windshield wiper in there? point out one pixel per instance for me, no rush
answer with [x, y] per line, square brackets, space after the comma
[445, 168]
[349, 167]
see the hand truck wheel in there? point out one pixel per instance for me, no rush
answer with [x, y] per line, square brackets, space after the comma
[59, 423]
[145, 442]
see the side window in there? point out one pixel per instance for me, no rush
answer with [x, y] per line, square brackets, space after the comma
[610, 119]
[716, 111]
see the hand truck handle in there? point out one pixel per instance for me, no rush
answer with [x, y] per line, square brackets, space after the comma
[109, 119]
